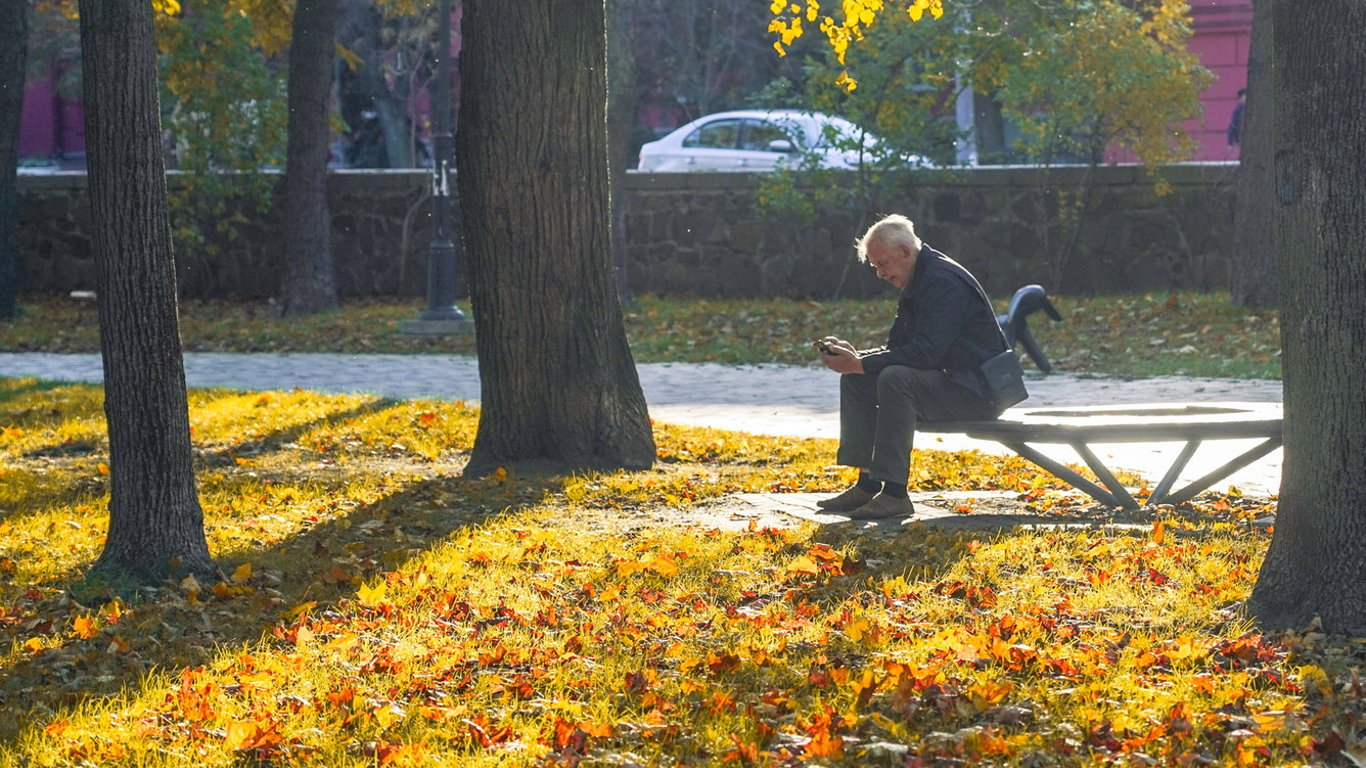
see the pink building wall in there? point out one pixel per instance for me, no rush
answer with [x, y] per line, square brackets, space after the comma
[50, 125]
[1223, 30]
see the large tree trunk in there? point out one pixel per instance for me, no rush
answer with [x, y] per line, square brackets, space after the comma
[1253, 281]
[1316, 564]
[13, 50]
[557, 379]
[309, 285]
[156, 527]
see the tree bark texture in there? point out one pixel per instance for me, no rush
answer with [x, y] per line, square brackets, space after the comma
[13, 52]
[1316, 564]
[309, 284]
[558, 382]
[1253, 280]
[156, 526]
[621, 113]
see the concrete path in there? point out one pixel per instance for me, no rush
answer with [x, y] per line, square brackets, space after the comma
[796, 401]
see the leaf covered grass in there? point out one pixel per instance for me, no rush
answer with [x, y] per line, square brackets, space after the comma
[1137, 335]
[377, 608]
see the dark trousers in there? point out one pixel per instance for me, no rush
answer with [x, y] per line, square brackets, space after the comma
[878, 416]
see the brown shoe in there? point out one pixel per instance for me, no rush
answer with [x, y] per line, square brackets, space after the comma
[848, 501]
[883, 507]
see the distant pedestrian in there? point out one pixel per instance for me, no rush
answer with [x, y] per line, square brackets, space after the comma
[1235, 121]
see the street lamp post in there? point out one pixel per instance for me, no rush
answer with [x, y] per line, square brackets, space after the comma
[442, 316]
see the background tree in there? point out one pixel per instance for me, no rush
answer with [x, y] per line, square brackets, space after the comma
[1252, 281]
[1316, 564]
[1103, 76]
[557, 379]
[13, 50]
[1100, 78]
[156, 526]
[309, 285]
[389, 54]
[1078, 80]
[1078, 77]
[224, 119]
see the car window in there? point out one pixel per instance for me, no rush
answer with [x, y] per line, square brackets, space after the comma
[758, 134]
[718, 134]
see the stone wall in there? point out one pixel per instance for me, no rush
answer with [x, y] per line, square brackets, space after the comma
[703, 234]
[381, 227]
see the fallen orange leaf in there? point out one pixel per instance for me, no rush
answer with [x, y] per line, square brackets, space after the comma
[83, 627]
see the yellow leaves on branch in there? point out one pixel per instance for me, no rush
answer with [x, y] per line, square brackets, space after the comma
[272, 23]
[916, 10]
[854, 16]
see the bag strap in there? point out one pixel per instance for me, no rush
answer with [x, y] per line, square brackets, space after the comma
[967, 277]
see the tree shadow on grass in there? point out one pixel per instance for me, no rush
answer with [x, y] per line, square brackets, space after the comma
[38, 490]
[12, 389]
[171, 630]
[220, 454]
[64, 659]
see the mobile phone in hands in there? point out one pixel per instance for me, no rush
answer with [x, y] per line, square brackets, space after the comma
[823, 347]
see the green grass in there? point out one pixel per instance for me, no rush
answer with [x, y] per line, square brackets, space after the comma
[1134, 336]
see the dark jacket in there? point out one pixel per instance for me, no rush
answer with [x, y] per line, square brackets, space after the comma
[943, 321]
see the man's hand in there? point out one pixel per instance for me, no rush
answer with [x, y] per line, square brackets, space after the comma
[842, 357]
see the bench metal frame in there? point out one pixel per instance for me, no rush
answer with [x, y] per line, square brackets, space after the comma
[1080, 428]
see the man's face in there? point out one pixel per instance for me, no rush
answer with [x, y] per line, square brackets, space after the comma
[893, 262]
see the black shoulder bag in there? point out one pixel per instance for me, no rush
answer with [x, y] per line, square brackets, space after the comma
[1004, 380]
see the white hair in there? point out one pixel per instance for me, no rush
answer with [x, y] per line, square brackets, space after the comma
[890, 230]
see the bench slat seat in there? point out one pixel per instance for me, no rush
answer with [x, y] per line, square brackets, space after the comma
[1080, 427]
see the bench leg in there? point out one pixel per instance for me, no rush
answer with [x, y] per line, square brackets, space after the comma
[1246, 458]
[1072, 478]
[1169, 479]
[1106, 476]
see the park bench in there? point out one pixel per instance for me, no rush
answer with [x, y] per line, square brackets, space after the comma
[1083, 427]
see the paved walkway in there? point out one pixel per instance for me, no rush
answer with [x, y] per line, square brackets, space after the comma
[797, 401]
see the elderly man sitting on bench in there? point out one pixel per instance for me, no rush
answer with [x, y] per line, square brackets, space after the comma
[944, 330]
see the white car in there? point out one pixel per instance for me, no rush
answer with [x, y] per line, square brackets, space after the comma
[757, 140]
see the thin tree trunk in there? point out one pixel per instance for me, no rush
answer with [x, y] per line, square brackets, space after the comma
[309, 284]
[156, 527]
[13, 51]
[1316, 564]
[397, 130]
[1253, 279]
[558, 382]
